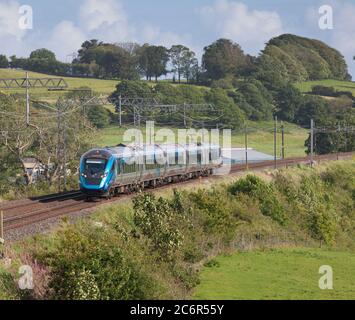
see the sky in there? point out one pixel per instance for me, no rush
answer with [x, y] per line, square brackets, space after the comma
[63, 25]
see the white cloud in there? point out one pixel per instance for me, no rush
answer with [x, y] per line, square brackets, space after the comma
[341, 36]
[100, 13]
[65, 39]
[234, 20]
[105, 19]
[11, 36]
[344, 28]
[9, 20]
[155, 35]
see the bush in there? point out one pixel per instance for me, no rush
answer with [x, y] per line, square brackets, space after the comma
[158, 221]
[91, 265]
[216, 211]
[225, 83]
[323, 91]
[265, 193]
[99, 116]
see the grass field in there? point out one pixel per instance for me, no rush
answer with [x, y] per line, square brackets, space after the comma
[104, 87]
[101, 86]
[278, 274]
[337, 84]
[260, 138]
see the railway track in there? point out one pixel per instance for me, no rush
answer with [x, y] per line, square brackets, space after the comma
[22, 213]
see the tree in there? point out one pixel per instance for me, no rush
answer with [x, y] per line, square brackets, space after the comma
[223, 58]
[190, 67]
[288, 99]
[105, 60]
[152, 61]
[312, 108]
[43, 54]
[183, 60]
[232, 117]
[337, 135]
[84, 54]
[99, 116]
[4, 62]
[255, 100]
[17, 138]
[132, 89]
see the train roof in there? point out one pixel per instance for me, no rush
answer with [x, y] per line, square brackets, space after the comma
[123, 150]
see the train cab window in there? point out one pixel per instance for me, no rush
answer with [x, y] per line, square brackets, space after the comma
[95, 167]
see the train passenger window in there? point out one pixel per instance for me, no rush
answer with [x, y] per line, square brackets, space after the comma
[150, 163]
[129, 168]
[177, 158]
[199, 157]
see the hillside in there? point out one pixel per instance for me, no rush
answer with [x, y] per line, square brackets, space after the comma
[306, 86]
[293, 58]
[101, 86]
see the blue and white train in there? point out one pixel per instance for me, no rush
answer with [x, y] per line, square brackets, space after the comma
[114, 170]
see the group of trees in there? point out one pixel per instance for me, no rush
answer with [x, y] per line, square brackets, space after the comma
[245, 87]
[290, 58]
[126, 61]
[287, 58]
[41, 139]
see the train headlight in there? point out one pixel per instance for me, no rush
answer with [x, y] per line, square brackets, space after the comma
[104, 176]
[84, 175]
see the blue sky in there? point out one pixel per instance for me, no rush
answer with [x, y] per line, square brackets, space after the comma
[62, 26]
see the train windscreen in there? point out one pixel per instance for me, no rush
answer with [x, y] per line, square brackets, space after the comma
[95, 167]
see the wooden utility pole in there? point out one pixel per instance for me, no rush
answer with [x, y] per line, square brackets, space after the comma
[283, 142]
[120, 109]
[275, 143]
[312, 141]
[246, 146]
[1, 227]
[27, 101]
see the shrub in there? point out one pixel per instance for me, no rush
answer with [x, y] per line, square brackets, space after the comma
[91, 265]
[157, 220]
[323, 91]
[216, 211]
[265, 193]
[317, 203]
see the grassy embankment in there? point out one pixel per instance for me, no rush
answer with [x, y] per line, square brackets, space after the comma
[117, 254]
[336, 84]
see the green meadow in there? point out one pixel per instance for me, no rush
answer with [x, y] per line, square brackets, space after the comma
[277, 274]
[260, 137]
[336, 84]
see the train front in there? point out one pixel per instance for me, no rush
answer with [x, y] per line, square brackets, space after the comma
[95, 172]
